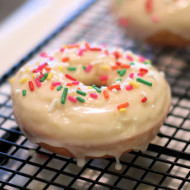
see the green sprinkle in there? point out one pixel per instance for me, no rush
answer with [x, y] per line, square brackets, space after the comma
[122, 73]
[118, 71]
[96, 88]
[59, 87]
[144, 81]
[81, 92]
[44, 77]
[64, 95]
[72, 68]
[131, 63]
[84, 67]
[119, 79]
[147, 63]
[80, 99]
[24, 92]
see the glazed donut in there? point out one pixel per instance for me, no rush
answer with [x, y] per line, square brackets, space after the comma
[90, 101]
[158, 22]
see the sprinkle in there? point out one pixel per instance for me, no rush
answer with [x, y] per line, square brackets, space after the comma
[62, 50]
[64, 95]
[122, 73]
[105, 67]
[90, 87]
[116, 54]
[40, 67]
[80, 99]
[114, 67]
[24, 92]
[70, 77]
[140, 74]
[38, 84]
[123, 105]
[60, 67]
[155, 19]
[96, 88]
[59, 87]
[11, 80]
[73, 46]
[88, 68]
[95, 49]
[50, 76]
[44, 77]
[143, 70]
[129, 87]
[23, 80]
[119, 79]
[56, 83]
[27, 70]
[84, 67]
[72, 99]
[144, 99]
[72, 68]
[81, 92]
[87, 46]
[131, 63]
[131, 75]
[52, 105]
[43, 54]
[34, 75]
[114, 86]
[80, 52]
[149, 6]
[104, 77]
[48, 69]
[31, 85]
[52, 87]
[130, 58]
[125, 66]
[141, 59]
[123, 22]
[105, 93]
[134, 84]
[65, 59]
[144, 81]
[69, 84]
[122, 110]
[75, 82]
[93, 95]
[17, 91]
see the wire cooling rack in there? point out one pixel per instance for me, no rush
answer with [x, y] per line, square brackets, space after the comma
[166, 163]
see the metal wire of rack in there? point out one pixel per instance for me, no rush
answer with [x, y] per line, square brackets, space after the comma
[166, 163]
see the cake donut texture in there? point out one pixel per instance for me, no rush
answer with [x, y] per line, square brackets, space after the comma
[159, 22]
[90, 101]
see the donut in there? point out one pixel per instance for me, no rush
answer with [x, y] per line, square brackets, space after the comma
[158, 22]
[90, 101]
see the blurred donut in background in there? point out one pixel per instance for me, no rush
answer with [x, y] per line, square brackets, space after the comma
[158, 22]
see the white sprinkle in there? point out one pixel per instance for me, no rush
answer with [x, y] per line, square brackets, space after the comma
[43, 71]
[143, 93]
[52, 105]
[104, 88]
[17, 91]
[118, 82]
[37, 75]
[114, 90]
[153, 106]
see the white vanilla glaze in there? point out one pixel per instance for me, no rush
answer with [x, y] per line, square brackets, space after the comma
[96, 127]
[165, 15]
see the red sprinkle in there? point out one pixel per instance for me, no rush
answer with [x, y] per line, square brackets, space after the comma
[131, 75]
[129, 87]
[93, 95]
[149, 6]
[116, 54]
[40, 67]
[31, 85]
[104, 78]
[130, 58]
[75, 82]
[43, 54]
[105, 93]
[88, 68]
[62, 50]
[95, 49]
[123, 105]
[115, 86]
[73, 46]
[56, 83]
[143, 100]
[143, 71]
[72, 99]
[70, 77]
[125, 66]
[38, 83]
[69, 84]
[65, 59]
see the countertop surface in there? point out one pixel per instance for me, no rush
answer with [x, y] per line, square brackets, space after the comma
[29, 23]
